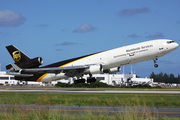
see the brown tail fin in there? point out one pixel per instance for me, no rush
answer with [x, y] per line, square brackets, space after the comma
[22, 60]
[16, 54]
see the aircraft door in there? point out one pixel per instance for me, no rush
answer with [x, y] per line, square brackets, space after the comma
[162, 49]
[131, 57]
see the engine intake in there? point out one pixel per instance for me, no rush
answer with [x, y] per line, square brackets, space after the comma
[36, 62]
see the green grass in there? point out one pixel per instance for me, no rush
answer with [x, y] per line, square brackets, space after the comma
[135, 100]
[90, 99]
[46, 114]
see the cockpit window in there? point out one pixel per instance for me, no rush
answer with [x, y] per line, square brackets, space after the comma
[170, 42]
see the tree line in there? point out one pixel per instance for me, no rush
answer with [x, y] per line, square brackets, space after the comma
[165, 78]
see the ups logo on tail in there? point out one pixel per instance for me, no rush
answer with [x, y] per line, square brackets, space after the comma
[16, 55]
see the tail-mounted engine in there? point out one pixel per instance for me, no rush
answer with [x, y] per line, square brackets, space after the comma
[32, 63]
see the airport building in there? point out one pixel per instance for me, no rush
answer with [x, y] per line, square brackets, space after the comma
[110, 79]
[7, 79]
[115, 79]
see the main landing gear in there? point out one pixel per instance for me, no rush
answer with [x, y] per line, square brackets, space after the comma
[79, 81]
[155, 65]
[90, 79]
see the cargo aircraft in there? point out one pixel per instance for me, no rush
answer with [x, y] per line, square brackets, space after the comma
[109, 61]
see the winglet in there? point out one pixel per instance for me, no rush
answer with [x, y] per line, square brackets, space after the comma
[16, 68]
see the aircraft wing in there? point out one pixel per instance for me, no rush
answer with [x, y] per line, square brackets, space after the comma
[48, 70]
[69, 70]
[54, 69]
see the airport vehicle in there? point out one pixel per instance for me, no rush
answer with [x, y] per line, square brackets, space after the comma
[109, 61]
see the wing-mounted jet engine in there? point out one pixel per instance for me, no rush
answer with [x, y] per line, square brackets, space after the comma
[112, 70]
[93, 69]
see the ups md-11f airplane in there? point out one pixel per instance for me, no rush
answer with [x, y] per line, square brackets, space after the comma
[108, 61]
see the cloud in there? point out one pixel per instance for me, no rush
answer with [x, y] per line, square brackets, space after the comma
[155, 36]
[9, 18]
[84, 28]
[133, 36]
[133, 11]
[43, 25]
[66, 44]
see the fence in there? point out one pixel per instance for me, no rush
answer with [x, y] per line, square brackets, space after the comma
[41, 112]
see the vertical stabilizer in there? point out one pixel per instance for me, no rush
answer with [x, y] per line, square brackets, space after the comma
[22, 60]
[16, 54]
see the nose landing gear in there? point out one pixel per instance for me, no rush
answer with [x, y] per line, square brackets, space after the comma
[155, 65]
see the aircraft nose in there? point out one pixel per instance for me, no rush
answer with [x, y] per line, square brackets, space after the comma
[176, 45]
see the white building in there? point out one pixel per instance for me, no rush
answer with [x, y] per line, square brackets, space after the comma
[114, 79]
[110, 79]
[121, 79]
[7, 79]
[142, 80]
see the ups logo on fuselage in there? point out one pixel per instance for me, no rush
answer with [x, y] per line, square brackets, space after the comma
[16, 55]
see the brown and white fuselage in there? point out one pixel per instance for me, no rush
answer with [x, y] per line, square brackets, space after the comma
[107, 61]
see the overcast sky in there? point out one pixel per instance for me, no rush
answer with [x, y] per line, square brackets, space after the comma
[61, 29]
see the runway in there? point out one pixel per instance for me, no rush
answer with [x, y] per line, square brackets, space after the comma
[95, 92]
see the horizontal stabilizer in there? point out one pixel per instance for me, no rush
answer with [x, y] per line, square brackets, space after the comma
[16, 68]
